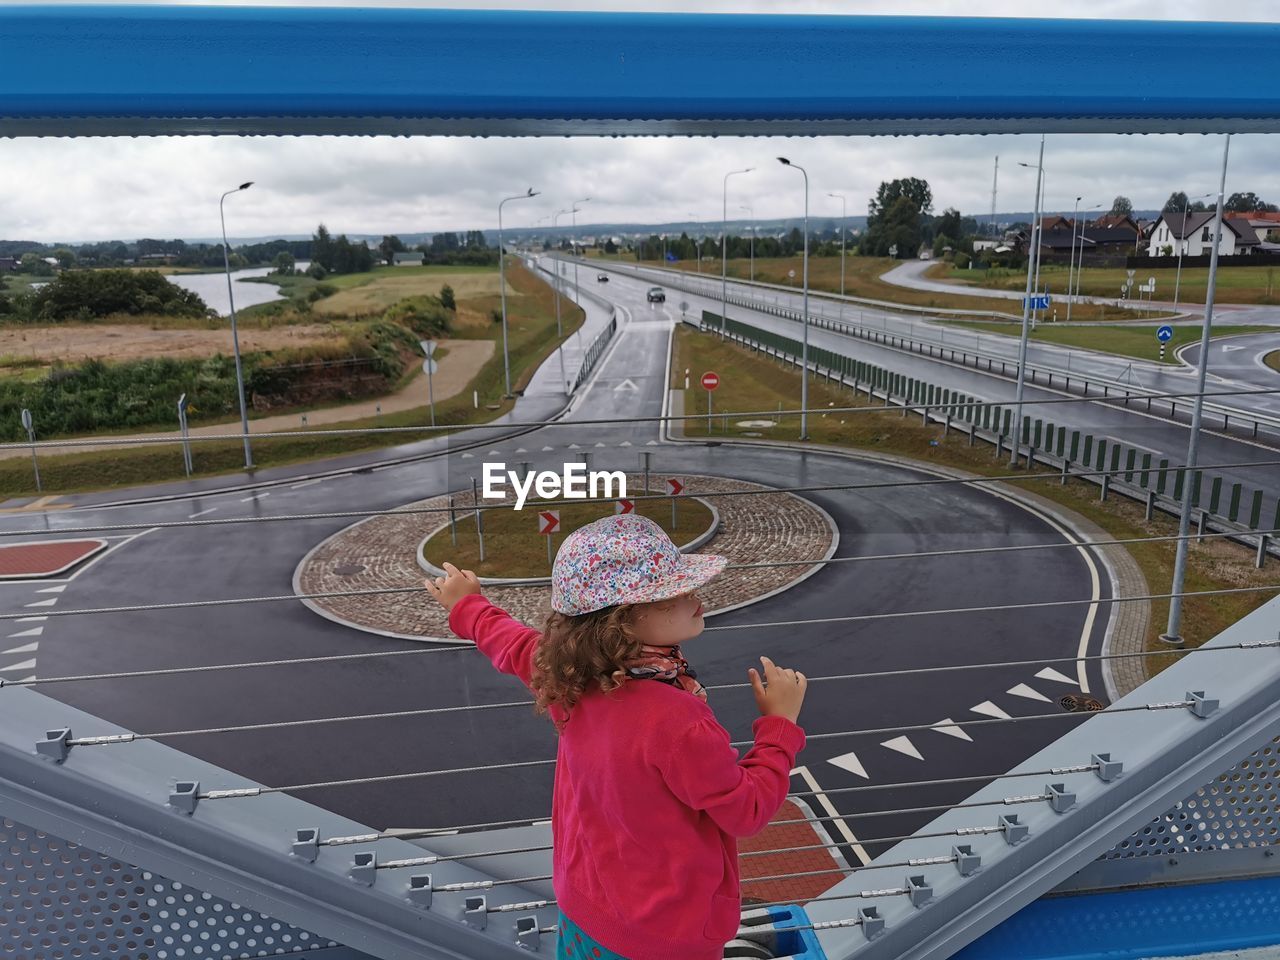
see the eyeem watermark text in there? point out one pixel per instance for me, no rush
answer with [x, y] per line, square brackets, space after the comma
[572, 483]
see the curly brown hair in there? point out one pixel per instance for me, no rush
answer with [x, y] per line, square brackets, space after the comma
[576, 652]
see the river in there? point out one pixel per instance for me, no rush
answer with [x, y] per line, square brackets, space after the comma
[212, 287]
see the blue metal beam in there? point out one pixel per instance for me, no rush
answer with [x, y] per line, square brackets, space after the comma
[87, 70]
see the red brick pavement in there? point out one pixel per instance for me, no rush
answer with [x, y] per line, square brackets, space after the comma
[784, 836]
[46, 558]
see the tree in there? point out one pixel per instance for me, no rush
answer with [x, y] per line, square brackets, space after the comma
[446, 298]
[1248, 202]
[610, 246]
[322, 248]
[1121, 206]
[284, 263]
[34, 264]
[389, 247]
[948, 225]
[1177, 201]
[913, 188]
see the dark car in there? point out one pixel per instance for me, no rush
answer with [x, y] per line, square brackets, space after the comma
[602, 278]
[657, 295]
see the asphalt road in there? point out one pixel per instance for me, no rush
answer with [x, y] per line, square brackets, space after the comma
[248, 560]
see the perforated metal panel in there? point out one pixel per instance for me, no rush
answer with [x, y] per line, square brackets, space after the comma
[1238, 810]
[60, 901]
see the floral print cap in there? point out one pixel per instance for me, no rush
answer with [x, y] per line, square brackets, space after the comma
[625, 558]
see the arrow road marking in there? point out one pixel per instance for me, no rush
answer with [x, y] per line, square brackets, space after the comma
[948, 727]
[850, 762]
[1048, 673]
[903, 745]
[989, 709]
[1022, 690]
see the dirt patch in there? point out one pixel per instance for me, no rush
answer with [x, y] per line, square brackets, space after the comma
[381, 293]
[75, 342]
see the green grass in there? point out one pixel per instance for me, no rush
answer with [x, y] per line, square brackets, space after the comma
[862, 279]
[531, 336]
[751, 382]
[514, 548]
[1272, 359]
[1235, 284]
[1134, 341]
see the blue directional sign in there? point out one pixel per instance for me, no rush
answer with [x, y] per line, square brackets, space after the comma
[1038, 302]
[1164, 333]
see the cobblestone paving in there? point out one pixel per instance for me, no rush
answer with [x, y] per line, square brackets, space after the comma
[379, 553]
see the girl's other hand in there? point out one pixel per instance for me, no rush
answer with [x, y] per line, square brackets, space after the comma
[453, 586]
[784, 693]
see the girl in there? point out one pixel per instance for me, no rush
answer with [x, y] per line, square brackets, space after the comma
[649, 796]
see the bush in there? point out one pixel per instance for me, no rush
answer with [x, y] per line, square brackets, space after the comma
[446, 298]
[86, 294]
[316, 272]
[960, 259]
[424, 315]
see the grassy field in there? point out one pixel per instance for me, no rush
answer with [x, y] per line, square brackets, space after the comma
[531, 336]
[1135, 341]
[751, 382]
[369, 293]
[862, 279]
[514, 548]
[1272, 360]
[1251, 284]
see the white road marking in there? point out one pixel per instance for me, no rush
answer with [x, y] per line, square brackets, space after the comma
[57, 589]
[1230, 348]
[626, 385]
[851, 763]
[903, 745]
[33, 632]
[305, 483]
[31, 619]
[42, 603]
[200, 513]
[574, 446]
[545, 449]
[832, 812]
[467, 456]
[257, 496]
[24, 665]
[1048, 673]
[495, 450]
[948, 727]
[25, 648]
[600, 443]
[651, 443]
[1030, 693]
[625, 443]
[521, 450]
[989, 709]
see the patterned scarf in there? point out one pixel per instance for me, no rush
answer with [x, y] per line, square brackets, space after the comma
[667, 665]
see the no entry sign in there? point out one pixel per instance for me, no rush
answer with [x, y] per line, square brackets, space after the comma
[710, 380]
[548, 521]
[624, 506]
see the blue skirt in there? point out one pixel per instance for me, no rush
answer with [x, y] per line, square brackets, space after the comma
[573, 944]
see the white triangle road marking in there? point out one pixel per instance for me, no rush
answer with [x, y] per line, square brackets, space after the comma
[467, 456]
[1230, 348]
[989, 709]
[24, 665]
[1048, 673]
[1022, 690]
[625, 385]
[625, 443]
[28, 648]
[521, 450]
[600, 443]
[948, 726]
[57, 589]
[495, 450]
[33, 632]
[850, 762]
[651, 443]
[903, 745]
[545, 449]
[42, 603]
[31, 620]
[573, 446]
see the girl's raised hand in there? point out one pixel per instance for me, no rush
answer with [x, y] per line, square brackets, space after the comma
[453, 586]
[782, 692]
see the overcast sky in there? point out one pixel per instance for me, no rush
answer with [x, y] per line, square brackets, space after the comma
[126, 188]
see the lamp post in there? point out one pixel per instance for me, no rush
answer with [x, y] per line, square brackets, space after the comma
[1071, 257]
[1026, 306]
[235, 337]
[1042, 180]
[573, 213]
[697, 246]
[1182, 240]
[502, 285]
[751, 212]
[724, 248]
[843, 217]
[1171, 635]
[804, 358]
[1072, 295]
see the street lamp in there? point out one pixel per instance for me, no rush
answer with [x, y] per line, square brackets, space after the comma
[843, 217]
[573, 212]
[502, 285]
[1072, 296]
[235, 337]
[804, 359]
[1182, 241]
[697, 245]
[1171, 635]
[724, 249]
[1026, 304]
[1042, 179]
[751, 212]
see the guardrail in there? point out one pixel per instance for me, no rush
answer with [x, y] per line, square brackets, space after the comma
[1115, 468]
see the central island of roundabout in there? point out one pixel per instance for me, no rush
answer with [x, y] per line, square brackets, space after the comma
[387, 551]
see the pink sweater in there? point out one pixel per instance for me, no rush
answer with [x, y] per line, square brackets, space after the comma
[649, 801]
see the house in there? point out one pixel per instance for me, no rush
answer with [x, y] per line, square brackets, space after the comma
[1115, 239]
[1062, 241]
[411, 258]
[1189, 234]
[1053, 224]
[8, 264]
